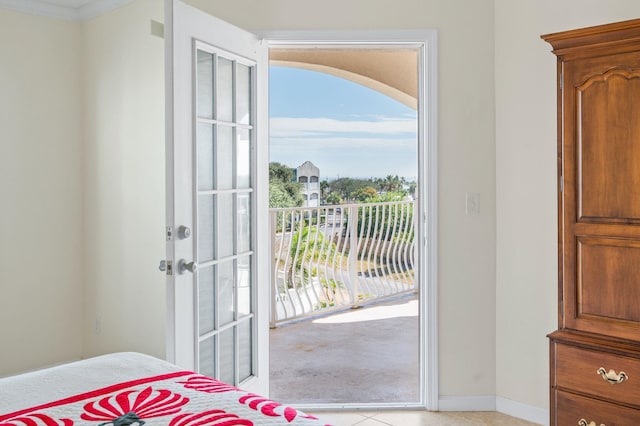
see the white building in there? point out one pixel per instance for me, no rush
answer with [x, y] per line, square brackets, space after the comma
[308, 174]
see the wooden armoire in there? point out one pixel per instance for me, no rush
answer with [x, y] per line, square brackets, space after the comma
[595, 353]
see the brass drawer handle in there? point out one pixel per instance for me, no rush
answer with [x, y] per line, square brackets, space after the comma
[583, 422]
[612, 377]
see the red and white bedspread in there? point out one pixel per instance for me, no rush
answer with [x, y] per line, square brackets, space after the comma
[173, 397]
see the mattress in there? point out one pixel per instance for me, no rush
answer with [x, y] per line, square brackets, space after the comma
[125, 389]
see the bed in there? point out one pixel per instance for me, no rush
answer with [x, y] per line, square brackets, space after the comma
[125, 389]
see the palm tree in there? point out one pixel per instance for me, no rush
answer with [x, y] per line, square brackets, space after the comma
[324, 188]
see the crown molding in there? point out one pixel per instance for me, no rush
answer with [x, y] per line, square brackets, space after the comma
[88, 11]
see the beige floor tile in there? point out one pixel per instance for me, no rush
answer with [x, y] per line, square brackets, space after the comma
[420, 418]
[410, 418]
[371, 422]
[340, 418]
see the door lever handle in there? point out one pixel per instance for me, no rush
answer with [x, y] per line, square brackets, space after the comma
[165, 266]
[184, 266]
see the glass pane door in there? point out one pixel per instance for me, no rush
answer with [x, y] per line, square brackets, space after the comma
[224, 197]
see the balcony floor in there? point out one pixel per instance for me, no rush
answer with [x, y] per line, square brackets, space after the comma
[365, 355]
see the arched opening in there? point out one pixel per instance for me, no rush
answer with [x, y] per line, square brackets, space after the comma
[390, 71]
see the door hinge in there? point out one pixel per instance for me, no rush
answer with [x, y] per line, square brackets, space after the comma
[169, 233]
[561, 183]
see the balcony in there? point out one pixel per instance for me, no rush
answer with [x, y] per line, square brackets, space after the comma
[344, 312]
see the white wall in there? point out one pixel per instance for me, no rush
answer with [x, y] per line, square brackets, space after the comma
[526, 183]
[123, 68]
[467, 155]
[41, 221]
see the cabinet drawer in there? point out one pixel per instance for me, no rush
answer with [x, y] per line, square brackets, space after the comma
[577, 370]
[573, 408]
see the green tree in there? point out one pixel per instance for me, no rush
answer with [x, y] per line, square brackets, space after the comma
[365, 195]
[412, 188]
[390, 183]
[283, 190]
[347, 186]
[391, 196]
[280, 172]
[333, 198]
[324, 190]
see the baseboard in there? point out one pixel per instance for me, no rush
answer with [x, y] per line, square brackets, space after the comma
[492, 403]
[522, 411]
[467, 403]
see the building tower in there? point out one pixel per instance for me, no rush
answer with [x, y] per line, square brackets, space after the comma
[309, 176]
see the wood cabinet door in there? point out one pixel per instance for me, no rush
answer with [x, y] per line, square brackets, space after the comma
[600, 199]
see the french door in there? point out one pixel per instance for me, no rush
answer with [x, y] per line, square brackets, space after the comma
[216, 208]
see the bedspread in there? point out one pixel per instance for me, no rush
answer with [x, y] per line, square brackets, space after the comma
[175, 398]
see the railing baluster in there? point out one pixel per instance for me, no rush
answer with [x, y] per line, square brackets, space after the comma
[313, 234]
[406, 246]
[378, 282]
[338, 260]
[402, 245]
[276, 283]
[353, 253]
[325, 286]
[362, 248]
[369, 276]
[393, 245]
[273, 220]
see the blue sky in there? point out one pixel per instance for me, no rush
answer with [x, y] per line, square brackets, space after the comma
[345, 129]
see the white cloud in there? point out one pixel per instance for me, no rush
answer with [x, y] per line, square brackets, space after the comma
[342, 142]
[289, 127]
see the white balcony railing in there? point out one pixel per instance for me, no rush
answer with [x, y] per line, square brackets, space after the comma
[315, 269]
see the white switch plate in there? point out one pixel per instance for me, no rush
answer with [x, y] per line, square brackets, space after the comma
[473, 203]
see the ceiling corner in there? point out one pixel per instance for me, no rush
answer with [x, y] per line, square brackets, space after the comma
[61, 9]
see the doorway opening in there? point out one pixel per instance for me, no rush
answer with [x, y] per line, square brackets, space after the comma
[346, 277]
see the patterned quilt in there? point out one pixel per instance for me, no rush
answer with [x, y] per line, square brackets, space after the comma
[180, 398]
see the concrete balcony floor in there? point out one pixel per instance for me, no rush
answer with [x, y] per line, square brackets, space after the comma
[364, 355]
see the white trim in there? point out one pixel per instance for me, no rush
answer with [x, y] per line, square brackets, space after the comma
[467, 403]
[522, 411]
[429, 195]
[495, 403]
[428, 152]
[99, 7]
[35, 7]
[347, 37]
[88, 11]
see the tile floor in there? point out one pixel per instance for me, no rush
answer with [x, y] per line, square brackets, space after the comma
[418, 418]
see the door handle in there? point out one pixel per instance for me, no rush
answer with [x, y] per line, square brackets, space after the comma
[184, 266]
[184, 232]
[166, 266]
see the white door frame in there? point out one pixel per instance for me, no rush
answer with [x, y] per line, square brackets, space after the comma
[426, 40]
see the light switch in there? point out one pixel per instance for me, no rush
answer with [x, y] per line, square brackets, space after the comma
[473, 203]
